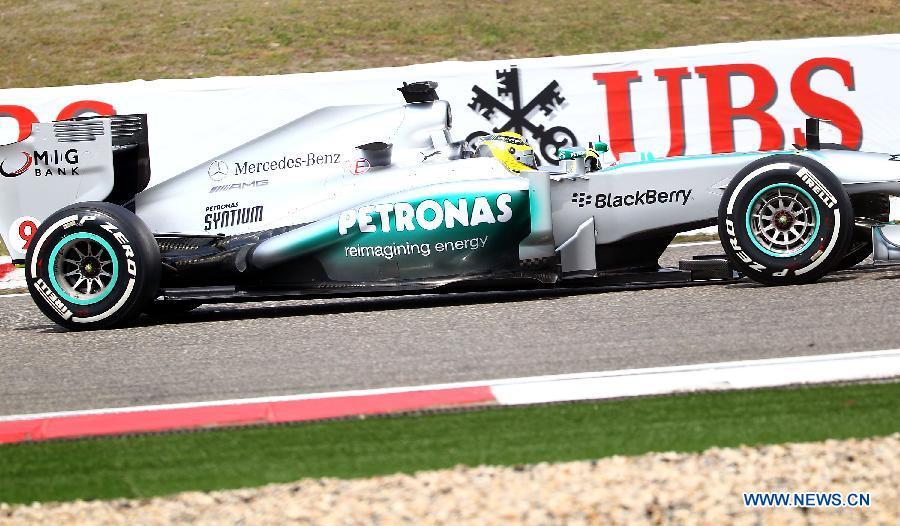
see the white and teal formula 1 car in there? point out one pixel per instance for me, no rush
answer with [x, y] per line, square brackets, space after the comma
[365, 200]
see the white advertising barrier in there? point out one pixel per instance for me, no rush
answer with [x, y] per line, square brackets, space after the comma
[690, 100]
[10, 276]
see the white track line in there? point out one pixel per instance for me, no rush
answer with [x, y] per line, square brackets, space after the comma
[747, 374]
[16, 295]
[241, 401]
[608, 384]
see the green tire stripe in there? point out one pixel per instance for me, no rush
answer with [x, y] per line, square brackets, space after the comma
[51, 268]
[793, 252]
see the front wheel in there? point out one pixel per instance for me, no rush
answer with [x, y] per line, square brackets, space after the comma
[785, 220]
[92, 266]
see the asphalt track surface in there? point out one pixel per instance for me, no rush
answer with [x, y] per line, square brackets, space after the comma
[261, 349]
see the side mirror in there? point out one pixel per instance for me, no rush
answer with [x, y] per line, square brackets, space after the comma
[600, 146]
[812, 134]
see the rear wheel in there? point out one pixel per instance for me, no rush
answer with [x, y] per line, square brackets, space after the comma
[92, 266]
[784, 220]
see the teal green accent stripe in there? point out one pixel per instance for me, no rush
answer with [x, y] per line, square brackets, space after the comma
[51, 268]
[316, 236]
[793, 252]
[649, 159]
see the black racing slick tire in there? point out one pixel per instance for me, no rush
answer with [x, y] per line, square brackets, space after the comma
[785, 220]
[92, 266]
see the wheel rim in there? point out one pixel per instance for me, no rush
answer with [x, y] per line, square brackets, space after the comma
[782, 220]
[83, 268]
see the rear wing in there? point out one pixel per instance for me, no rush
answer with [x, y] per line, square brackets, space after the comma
[67, 162]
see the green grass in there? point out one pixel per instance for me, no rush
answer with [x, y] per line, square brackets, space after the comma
[694, 238]
[90, 42]
[160, 464]
[3, 251]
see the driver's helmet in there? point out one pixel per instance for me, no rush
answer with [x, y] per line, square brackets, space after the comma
[509, 148]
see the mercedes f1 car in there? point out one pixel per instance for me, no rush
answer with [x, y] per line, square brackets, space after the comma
[366, 200]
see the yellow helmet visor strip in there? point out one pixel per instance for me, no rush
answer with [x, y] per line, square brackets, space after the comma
[508, 148]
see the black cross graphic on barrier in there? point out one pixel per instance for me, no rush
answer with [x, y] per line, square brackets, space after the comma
[548, 101]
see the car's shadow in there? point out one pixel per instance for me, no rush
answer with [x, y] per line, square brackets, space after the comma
[215, 312]
[271, 309]
[231, 311]
[319, 307]
[844, 275]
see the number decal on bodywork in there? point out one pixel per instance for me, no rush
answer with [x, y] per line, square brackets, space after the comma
[22, 231]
